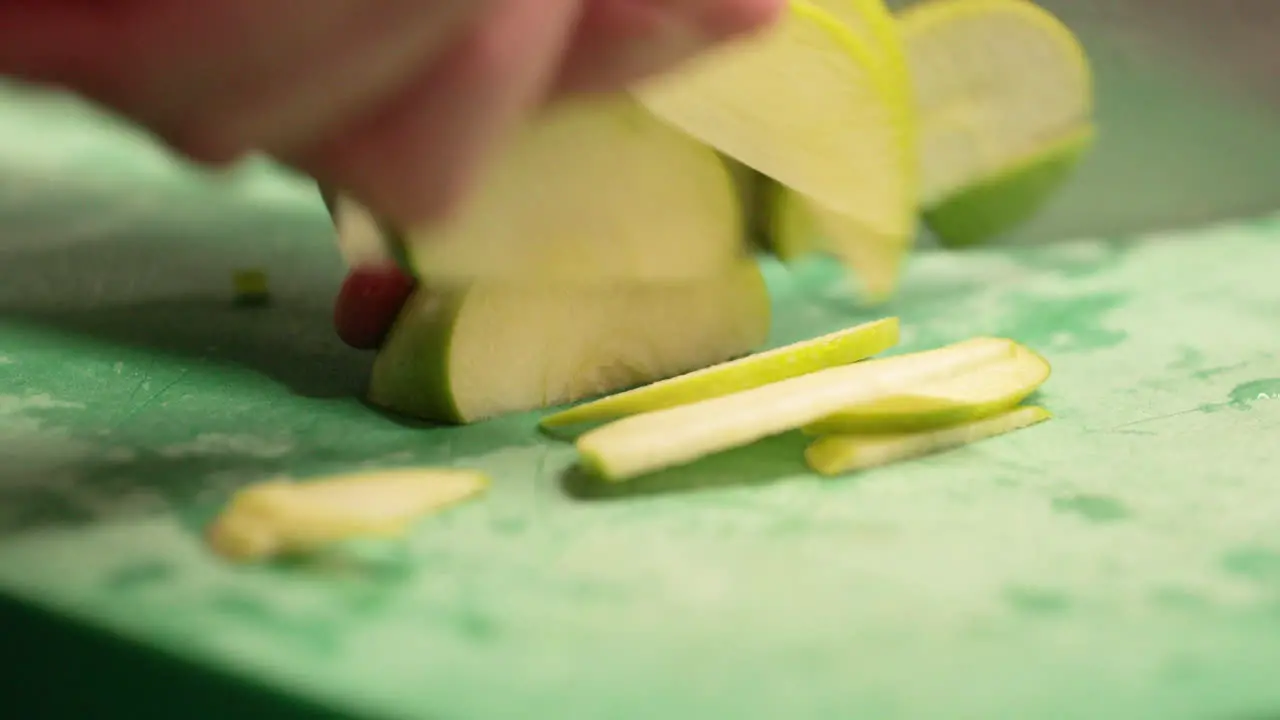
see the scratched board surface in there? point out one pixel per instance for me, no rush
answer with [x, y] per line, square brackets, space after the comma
[1122, 561]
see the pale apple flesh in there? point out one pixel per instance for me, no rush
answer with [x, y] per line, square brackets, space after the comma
[807, 104]
[496, 347]
[836, 454]
[593, 191]
[284, 517]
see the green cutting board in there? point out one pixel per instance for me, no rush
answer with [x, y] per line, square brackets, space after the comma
[1122, 561]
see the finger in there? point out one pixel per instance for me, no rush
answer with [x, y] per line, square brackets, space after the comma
[414, 160]
[368, 303]
[620, 42]
[55, 42]
[172, 64]
[376, 53]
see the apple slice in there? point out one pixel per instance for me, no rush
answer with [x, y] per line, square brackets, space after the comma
[875, 257]
[836, 454]
[1000, 87]
[493, 347]
[592, 191]
[655, 440]
[981, 392]
[281, 517]
[807, 104]
[793, 138]
[838, 348]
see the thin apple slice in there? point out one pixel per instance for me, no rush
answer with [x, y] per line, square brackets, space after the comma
[806, 103]
[655, 440]
[981, 392]
[593, 191]
[837, 454]
[498, 346]
[282, 517]
[838, 348]
[802, 221]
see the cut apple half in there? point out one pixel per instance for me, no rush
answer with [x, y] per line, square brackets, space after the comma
[980, 392]
[655, 440]
[836, 454]
[838, 348]
[494, 347]
[592, 191]
[283, 517]
[807, 104]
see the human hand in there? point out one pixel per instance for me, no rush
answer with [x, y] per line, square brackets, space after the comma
[398, 102]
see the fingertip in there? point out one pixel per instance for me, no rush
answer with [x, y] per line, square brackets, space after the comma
[725, 19]
[368, 304]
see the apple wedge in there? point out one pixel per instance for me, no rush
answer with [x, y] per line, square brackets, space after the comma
[806, 103]
[838, 348]
[836, 454]
[1004, 95]
[806, 224]
[838, 142]
[593, 191]
[980, 392]
[655, 440]
[497, 346]
[282, 517]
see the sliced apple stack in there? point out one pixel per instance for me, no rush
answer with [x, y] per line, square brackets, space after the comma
[865, 413]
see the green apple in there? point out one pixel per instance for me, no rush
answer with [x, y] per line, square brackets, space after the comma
[836, 454]
[997, 204]
[838, 348]
[655, 440]
[463, 354]
[980, 392]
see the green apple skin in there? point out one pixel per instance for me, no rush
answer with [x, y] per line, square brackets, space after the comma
[411, 372]
[982, 212]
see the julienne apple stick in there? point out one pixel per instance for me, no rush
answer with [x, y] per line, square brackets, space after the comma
[652, 441]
